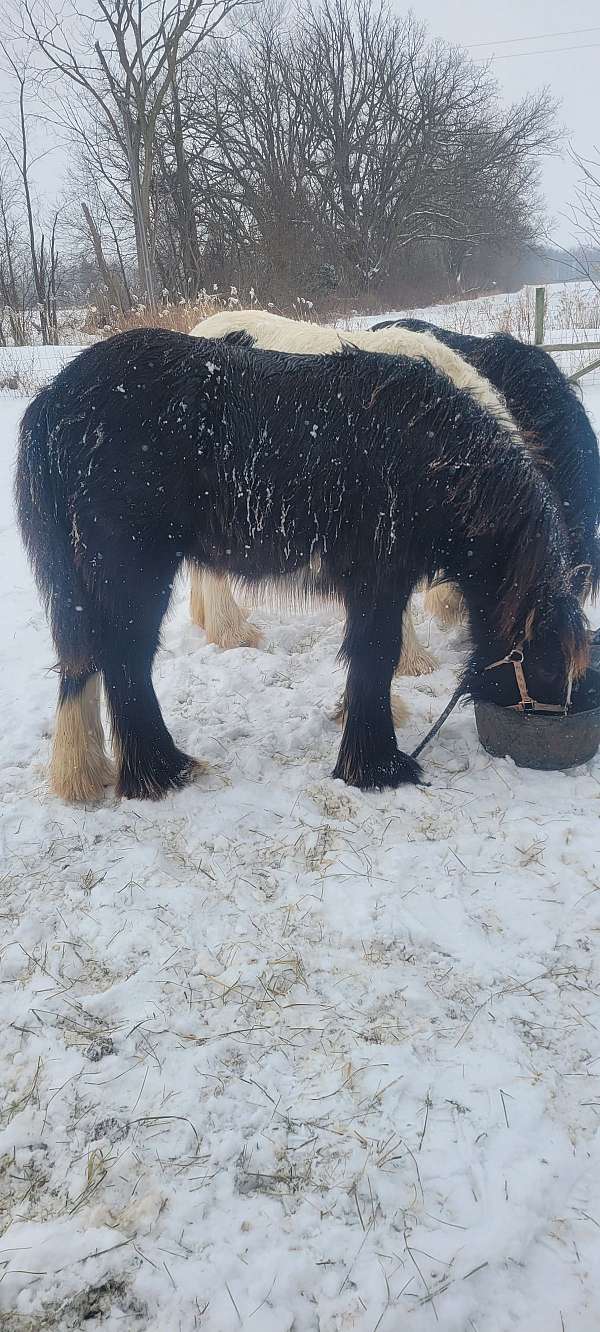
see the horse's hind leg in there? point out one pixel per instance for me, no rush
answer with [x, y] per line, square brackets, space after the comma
[369, 756]
[415, 659]
[149, 762]
[446, 602]
[214, 608]
[197, 613]
[79, 767]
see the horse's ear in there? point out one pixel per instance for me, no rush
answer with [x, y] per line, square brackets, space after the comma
[239, 337]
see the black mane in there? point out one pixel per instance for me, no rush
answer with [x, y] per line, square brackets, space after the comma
[550, 414]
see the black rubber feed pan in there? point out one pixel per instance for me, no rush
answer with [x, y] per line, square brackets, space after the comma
[543, 740]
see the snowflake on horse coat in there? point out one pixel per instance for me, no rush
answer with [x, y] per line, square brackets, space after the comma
[153, 448]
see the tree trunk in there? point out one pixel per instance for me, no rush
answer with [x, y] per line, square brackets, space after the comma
[190, 247]
[140, 203]
[108, 278]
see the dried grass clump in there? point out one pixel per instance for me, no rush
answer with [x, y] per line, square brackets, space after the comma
[182, 316]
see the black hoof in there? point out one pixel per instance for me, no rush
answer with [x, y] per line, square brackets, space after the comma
[157, 777]
[395, 769]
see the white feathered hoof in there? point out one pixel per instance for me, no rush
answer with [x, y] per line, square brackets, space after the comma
[225, 623]
[238, 635]
[417, 661]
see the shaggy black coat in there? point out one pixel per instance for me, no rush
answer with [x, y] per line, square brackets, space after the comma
[553, 421]
[154, 447]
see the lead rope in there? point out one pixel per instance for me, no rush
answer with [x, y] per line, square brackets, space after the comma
[440, 721]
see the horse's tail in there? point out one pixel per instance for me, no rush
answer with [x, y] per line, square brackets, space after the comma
[50, 536]
[79, 767]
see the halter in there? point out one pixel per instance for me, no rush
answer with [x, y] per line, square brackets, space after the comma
[528, 704]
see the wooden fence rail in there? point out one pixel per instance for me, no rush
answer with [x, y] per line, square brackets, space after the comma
[540, 315]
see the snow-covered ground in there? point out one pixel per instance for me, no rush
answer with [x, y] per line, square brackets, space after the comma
[280, 1055]
[30, 367]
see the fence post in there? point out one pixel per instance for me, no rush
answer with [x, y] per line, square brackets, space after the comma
[540, 305]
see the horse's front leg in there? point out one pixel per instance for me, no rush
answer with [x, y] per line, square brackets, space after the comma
[369, 756]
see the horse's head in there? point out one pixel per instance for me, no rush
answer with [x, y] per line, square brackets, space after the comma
[543, 662]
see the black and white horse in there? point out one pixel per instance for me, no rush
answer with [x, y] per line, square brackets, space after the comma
[153, 448]
[555, 426]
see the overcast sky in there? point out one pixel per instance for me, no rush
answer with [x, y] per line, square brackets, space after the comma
[572, 75]
[568, 63]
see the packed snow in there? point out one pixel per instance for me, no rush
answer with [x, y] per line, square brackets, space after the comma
[277, 1054]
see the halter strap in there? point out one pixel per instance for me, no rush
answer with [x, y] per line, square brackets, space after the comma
[514, 658]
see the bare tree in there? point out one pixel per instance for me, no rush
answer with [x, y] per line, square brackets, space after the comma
[176, 183]
[98, 209]
[42, 247]
[123, 61]
[343, 145]
[109, 277]
[249, 109]
[13, 268]
[372, 124]
[331, 146]
[585, 217]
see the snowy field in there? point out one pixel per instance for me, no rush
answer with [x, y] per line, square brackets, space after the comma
[31, 366]
[279, 1055]
[572, 314]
